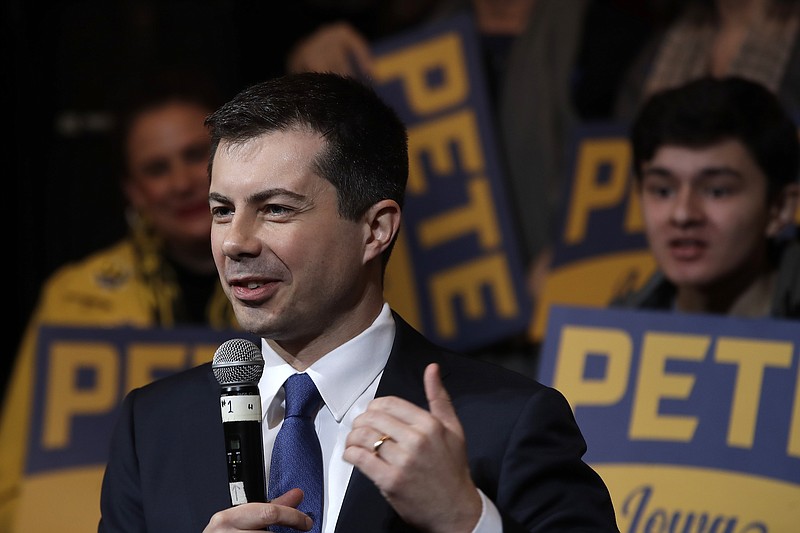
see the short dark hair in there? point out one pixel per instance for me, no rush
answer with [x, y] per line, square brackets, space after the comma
[366, 152]
[153, 89]
[709, 110]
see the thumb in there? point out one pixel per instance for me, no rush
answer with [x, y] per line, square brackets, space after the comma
[439, 403]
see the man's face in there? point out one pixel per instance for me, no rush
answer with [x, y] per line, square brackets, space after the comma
[167, 171]
[291, 266]
[705, 212]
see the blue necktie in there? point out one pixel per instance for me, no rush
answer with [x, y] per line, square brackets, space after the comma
[297, 456]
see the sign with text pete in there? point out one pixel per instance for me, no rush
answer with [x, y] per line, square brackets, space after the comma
[80, 377]
[693, 421]
[599, 250]
[455, 273]
[82, 374]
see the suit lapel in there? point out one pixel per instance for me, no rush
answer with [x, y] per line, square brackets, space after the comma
[363, 508]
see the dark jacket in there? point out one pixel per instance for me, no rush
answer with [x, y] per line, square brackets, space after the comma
[167, 469]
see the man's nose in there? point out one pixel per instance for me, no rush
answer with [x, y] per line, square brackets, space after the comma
[687, 207]
[240, 238]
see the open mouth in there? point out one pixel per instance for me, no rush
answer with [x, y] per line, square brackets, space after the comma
[686, 248]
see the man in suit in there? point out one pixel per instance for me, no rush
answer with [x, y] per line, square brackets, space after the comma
[308, 174]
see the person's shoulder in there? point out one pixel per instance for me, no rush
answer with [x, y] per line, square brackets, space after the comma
[656, 293]
[479, 374]
[102, 288]
[164, 404]
[458, 367]
[109, 267]
[790, 253]
[179, 388]
[786, 298]
[104, 271]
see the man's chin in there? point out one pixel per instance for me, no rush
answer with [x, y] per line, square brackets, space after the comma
[250, 319]
[695, 279]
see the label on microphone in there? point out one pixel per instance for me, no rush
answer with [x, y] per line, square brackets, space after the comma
[244, 408]
[238, 495]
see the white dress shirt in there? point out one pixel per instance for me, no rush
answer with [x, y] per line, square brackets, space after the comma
[347, 379]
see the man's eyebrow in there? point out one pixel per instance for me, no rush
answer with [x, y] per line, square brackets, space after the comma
[719, 170]
[267, 194]
[710, 171]
[657, 171]
[217, 197]
[260, 196]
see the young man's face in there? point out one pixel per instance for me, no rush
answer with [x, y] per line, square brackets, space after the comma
[706, 213]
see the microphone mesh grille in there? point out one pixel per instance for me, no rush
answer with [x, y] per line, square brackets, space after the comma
[238, 361]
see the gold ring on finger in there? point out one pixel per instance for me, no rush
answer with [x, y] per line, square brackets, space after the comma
[378, 443]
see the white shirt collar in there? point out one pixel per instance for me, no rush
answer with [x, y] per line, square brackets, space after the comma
[341, 375]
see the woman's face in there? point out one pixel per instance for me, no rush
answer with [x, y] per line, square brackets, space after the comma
[168, 149]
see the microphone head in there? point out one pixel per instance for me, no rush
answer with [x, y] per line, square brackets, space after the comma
[237, 362]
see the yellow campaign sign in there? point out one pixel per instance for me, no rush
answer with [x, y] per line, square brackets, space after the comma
[599, 249]
[456, 273]
[693, 421]
[593, 281]
[80, 377]
[694, 499]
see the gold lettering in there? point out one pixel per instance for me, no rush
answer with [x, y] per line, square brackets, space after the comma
[467, 281]
[655, 383]
[588, 193]
[65, 399]
[575, 346]
[437, 138]
[477, 216]
[750, 357]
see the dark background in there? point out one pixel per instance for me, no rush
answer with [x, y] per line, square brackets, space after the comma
[64, 62]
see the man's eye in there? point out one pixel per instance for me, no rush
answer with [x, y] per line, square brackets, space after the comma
[718, 192]
[659, 191]
[277, 210]
[221, 212]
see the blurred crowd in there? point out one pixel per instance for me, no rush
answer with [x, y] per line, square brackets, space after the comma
[550, 66]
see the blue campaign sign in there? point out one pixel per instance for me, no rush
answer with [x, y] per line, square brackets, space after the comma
[599, 250]
[600, 211]
[684, 415]
[457, 273]
[81, 376]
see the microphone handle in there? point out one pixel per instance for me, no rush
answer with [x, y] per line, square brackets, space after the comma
[244, 445]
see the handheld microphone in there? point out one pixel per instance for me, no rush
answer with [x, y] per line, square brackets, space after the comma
[238, 366]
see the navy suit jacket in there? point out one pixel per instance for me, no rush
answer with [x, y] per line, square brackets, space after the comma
[167, 470]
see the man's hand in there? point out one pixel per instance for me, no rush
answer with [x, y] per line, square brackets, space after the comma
[258, 516]
[421, 468]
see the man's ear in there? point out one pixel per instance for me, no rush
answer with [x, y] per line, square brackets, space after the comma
[382, 224]
[784, 209]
